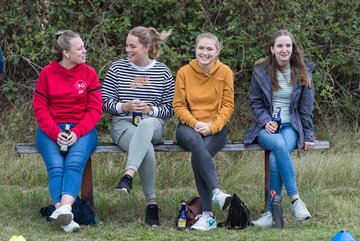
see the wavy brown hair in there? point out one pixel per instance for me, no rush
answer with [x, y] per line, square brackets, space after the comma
[297, 63]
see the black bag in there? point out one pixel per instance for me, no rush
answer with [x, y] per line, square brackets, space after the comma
[83, 213]
[238, 216]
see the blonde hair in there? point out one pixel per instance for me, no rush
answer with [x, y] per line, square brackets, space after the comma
[152, 37]
[62, 43]
[218, 44]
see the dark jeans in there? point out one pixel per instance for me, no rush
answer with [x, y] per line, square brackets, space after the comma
[202, 149]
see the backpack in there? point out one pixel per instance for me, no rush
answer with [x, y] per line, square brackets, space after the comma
[238, 216]
[83, 213]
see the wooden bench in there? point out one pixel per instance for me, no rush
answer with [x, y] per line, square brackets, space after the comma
[167, 146]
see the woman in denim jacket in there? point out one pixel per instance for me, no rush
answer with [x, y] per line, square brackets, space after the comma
[282, 80]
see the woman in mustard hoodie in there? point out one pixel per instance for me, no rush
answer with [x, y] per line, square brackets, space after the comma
[204, 102]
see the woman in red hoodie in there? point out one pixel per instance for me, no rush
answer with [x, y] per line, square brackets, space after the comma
[67, 93]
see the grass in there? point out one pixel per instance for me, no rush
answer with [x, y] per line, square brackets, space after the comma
[329, 182]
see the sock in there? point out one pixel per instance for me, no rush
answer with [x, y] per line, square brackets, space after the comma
[215, 191]
[128, 177]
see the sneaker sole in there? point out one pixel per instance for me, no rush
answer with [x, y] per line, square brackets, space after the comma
[122, 190]
[198, 229]
[74, 229]
[63, 219]
[303, 219]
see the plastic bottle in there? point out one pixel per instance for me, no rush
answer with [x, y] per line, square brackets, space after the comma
[276, 118]
[64, 148]
[137, 117]
[276, 210]
[182, 219]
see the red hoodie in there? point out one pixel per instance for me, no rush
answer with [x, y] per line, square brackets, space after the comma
[67, 95]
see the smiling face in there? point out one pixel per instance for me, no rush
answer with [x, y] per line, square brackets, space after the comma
[136, 51]
[77, 52]
[282, 50]
[206, 52]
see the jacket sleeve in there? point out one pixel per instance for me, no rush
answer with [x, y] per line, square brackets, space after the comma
[258, 102]
[41, 108]
[306, 107]
[2, 64]
[94, 106]
[226, 106]
[180, 105]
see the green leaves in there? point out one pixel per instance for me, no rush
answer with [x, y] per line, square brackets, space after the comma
[328, 32]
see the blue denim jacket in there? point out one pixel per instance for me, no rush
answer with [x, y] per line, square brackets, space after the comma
[301, 105]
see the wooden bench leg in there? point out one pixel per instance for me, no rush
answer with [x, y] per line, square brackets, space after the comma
[86, 184]
[267, 178]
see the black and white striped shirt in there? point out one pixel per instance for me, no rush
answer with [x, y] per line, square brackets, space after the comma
[153, 84]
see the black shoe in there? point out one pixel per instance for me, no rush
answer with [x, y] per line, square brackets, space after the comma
[125, 184]
[152, 215]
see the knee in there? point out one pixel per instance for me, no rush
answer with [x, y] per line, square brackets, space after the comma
[280, 145]
[55, 171]
[146, 124]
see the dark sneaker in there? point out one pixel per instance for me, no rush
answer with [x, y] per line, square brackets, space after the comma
[125, 184]
[152, 215]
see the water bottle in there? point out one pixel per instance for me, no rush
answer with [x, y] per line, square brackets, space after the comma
[64, 148]
[137, 117]
[182, 219]
[276, 210]
[276, 118]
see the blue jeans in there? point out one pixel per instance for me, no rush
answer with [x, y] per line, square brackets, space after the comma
[202, 148]
[65, 172]
[282, 170]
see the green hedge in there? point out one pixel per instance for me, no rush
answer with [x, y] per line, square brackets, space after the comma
[327, 30]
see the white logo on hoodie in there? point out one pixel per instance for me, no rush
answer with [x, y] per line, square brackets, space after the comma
[80, 85]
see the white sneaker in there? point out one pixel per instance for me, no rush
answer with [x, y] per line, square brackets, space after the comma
[300, 211]
[221, 199]
[265, 221]
[62, 215]
[204, 222]
[71, 227]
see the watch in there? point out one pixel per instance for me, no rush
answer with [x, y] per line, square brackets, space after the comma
[151, 112]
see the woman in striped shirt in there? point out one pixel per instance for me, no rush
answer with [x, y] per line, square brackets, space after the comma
[142, 85]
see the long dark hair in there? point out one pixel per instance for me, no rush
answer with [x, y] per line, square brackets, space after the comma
[297, 63]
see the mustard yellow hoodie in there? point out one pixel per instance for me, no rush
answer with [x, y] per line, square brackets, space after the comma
[207, 97]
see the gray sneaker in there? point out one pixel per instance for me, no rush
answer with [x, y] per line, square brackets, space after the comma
[62, 215]
[71, 227]
[300, 211]
[265, 221]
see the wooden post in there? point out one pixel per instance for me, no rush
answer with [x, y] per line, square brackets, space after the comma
[87, 184]
[267, 178]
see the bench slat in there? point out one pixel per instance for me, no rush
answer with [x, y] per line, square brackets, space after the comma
[169, 146]
[26, 148]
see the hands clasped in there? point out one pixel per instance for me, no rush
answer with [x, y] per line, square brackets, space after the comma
[202, 128]
[66, 139]
[137, 105]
